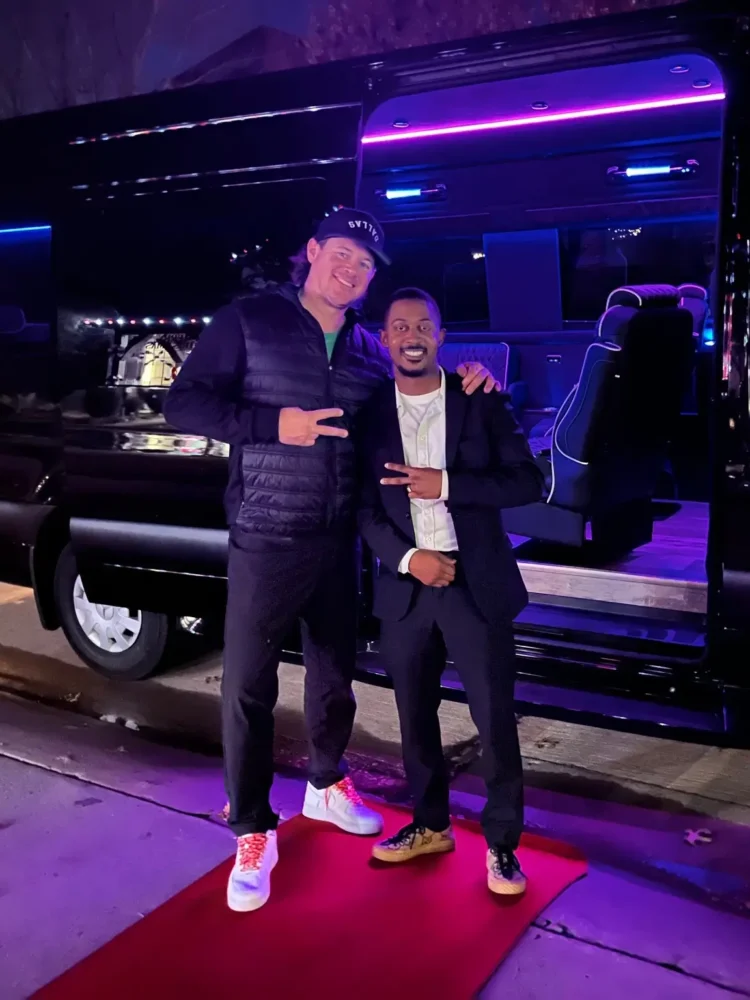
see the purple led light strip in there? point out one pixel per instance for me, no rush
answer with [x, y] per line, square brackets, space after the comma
[561, 116]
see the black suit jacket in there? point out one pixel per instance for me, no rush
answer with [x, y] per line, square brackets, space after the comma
[490, 466]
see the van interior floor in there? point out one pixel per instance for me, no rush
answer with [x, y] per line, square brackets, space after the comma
[656, 591]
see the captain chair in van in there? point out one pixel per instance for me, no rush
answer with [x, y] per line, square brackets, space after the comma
[695, 300]
[610, 438]
[498, 358]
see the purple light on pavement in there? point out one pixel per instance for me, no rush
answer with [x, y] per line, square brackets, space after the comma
[438, 131]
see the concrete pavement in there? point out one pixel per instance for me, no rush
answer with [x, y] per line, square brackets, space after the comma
[81, 799]
[183, 703]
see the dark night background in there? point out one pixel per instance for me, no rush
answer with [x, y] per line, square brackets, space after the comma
[56, 53]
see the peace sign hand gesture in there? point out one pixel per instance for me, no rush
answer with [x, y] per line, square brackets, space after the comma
[421, 484]
[303, 427]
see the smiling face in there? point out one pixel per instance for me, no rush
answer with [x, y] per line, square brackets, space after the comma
[340, 271]
[413, 334]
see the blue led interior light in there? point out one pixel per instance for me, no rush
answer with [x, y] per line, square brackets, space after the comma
[647, 171]
[26, 229]
[393, 194]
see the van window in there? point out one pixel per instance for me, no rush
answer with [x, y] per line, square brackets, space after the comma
[593, 261]
[26, 302]
[26, 270]
[452, 270]
[180, 253]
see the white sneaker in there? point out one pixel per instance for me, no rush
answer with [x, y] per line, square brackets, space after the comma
[341, 805]
[250, 881]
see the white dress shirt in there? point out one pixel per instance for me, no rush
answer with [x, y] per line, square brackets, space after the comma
[422, 422]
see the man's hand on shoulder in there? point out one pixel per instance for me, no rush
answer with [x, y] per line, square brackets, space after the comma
[304, 427]
[475, 376]
[433, 569]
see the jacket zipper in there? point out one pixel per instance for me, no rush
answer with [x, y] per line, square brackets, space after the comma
[339, 348]
[330, 445]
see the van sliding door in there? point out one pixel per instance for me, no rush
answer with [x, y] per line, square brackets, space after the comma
[730, 527]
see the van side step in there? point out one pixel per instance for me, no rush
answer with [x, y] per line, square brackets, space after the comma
[546, 581]
[667, 635]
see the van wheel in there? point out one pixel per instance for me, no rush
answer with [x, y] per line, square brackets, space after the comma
[121, 643]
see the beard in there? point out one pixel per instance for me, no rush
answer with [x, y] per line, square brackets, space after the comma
[413, 372]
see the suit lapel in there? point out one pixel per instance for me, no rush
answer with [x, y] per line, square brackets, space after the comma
[391, 449]
[391, 436]
[455, 413]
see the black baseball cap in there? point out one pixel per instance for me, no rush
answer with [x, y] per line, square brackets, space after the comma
[353, 224]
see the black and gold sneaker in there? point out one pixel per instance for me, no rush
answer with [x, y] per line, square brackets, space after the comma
[504, 874]
[412, 841]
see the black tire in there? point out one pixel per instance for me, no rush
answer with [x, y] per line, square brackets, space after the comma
[139, 661]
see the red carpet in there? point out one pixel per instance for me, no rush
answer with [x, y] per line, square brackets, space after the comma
[337, 926]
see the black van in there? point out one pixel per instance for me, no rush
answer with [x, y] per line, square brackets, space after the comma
[566, 194]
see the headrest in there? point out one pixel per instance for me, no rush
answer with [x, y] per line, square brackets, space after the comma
[495, 357]
[693, 292]
[645, 297]
[12, 319]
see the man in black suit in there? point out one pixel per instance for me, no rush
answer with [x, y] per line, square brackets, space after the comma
[448, 580]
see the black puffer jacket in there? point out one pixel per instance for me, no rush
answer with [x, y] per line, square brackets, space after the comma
[258, 355]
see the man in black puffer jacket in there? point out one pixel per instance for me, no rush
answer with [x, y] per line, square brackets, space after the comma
[280, 377]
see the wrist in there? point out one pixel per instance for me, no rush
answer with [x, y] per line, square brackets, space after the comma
[403, 566]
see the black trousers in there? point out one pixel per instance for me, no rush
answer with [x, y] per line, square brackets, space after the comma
[270, 587]
[414, 654]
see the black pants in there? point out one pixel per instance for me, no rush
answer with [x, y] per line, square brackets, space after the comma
[270, 588]
[414, 653]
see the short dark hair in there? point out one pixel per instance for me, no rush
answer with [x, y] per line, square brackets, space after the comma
[412, 295]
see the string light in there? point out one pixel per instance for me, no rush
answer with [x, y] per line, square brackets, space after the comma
[125, 185]
[228, 120]
[178, 321]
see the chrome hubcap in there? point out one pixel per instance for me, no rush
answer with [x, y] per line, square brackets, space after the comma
[114, 630]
